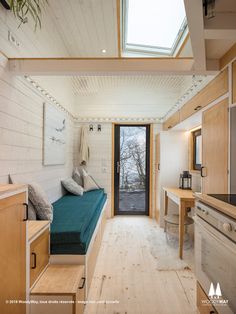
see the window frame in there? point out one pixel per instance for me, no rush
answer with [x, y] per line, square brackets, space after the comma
[195, 134]
[146, 49]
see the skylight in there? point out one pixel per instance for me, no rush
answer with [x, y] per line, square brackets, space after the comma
[153, 25]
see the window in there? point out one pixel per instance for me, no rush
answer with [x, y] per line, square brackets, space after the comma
[153, 26]
[197, 149]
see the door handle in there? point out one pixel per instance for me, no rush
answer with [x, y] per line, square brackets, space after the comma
[158, 167]
[202, 175]
[82, 286]
[27, 212]
[118, 167]
[35, 260]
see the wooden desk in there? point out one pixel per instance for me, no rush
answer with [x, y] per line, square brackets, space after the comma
[184, 199]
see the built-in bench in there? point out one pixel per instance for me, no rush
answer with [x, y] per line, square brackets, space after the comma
[77, 230]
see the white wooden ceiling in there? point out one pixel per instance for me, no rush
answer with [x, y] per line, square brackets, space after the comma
[119, 96]
[71, 28]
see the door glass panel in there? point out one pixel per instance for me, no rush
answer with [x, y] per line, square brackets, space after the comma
[132, 183]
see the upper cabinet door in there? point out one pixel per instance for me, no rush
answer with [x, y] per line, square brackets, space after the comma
[215, 128]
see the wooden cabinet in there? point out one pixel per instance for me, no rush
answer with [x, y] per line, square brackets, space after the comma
[216, 88]
[60, 290]
[13, 249]
[202, 302]
[39, 255]
[234, 83]
[172, 121]
[215, 149]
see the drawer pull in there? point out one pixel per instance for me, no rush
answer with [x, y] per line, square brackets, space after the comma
[82, 287]
[202, 175]
[27, 212]
[198, 108]
[35, 260]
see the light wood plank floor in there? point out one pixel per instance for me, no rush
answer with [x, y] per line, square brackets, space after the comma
[126, 273]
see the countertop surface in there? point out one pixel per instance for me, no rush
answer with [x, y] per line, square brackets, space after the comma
[221, 206]
[180, 193]
[8, 189]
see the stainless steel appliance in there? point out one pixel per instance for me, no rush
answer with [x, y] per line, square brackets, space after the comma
[215, 256]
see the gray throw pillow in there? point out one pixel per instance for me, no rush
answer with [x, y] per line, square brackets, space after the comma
[71, 186]
[38, 197]
[31, 211]
[89, 182]
[77, 177]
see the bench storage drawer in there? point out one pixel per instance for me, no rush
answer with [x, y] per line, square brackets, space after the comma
[39, 255]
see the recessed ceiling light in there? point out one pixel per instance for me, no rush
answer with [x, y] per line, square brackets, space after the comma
[104, 51]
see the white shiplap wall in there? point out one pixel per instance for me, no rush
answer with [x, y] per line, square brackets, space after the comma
[100, 163]
[99, 166]
[21, 137]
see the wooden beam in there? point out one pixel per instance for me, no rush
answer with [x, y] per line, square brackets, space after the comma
[104, 66]
[194, 13]
[228, 56]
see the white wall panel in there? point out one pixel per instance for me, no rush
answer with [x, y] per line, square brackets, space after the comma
[21, 137]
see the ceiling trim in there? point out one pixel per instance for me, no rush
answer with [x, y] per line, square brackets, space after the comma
[117, 119]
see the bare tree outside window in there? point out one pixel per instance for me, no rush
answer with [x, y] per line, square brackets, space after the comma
[132, 167]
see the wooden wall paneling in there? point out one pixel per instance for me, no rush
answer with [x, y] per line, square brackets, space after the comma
[171, 121]
[234, 83]
[216, 88]
[215, 127]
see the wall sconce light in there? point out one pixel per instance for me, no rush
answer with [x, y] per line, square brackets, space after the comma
[99, 128]
[90, 127]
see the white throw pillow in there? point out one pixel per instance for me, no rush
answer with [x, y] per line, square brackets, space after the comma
[38, 197]
[71, 186]
[89, 183]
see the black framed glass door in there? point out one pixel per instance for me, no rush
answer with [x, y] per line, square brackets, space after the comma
[131, 169]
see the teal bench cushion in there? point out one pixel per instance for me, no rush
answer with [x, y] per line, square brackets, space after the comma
[74, 221]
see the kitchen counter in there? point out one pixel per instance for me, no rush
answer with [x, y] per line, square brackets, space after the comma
[7, 190]
[221, 206]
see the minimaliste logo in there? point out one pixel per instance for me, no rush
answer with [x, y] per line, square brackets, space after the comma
[215, 293]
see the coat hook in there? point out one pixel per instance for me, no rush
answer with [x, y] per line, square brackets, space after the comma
[90, 127]
[99, 128]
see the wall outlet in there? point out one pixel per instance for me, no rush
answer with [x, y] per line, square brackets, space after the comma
[104, 169]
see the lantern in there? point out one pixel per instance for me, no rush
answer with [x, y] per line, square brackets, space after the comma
[185, 181]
